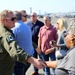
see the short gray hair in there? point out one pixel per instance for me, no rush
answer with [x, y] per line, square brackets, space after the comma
[47, 17]
[5, 13]
[34, 13]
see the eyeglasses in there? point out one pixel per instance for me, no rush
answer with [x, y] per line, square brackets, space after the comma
[32, 15]
[12, 19]
[24, 15]
[46, 20]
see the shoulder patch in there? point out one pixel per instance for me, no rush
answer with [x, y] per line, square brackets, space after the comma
[10, 38]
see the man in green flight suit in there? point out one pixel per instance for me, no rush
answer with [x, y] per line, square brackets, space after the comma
[9, 50]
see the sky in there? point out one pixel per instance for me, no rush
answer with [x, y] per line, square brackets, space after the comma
[39, 6]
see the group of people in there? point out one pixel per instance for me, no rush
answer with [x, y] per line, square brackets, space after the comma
[21, 43]
[12, 48]
[66, 65]
[23, 38]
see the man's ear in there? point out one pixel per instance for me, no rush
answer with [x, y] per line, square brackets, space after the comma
[73, 39]
[3, 20]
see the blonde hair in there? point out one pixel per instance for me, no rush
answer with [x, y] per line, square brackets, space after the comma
[62, 23]
[5, 13]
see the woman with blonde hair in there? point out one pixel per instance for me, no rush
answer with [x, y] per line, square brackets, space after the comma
[61, 25]
[66, 66]
[60, 46]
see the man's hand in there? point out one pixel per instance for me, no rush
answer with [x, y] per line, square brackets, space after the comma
[38, 63]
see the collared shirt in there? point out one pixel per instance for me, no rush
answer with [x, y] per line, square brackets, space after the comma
[23, 36]
[66, 66]
[9, 52]
[35, 30]
[46, 35]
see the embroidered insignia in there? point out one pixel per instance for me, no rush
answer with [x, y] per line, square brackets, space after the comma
[10, 38]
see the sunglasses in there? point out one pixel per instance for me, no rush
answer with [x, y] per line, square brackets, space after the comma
[32, 15]
[46, 20]
[12, 19]
[24, 15]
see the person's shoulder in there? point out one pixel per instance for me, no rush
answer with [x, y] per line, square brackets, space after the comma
[7, 34]
[40, 22]
[29, 22]
[43, 27]
[17, 25]
[63, 31]
[53, 27]
[3, 30]
[26, 26]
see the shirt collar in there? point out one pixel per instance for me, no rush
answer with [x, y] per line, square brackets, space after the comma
[70, 49]
[50, 27]
[35, 22]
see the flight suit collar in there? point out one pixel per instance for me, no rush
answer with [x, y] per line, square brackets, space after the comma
[9, 30]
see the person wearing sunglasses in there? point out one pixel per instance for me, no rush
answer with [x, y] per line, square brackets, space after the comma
[61, 48]
[66, 66]
[23, 37]
[24, 15]
[9, 49]
[35, 25]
